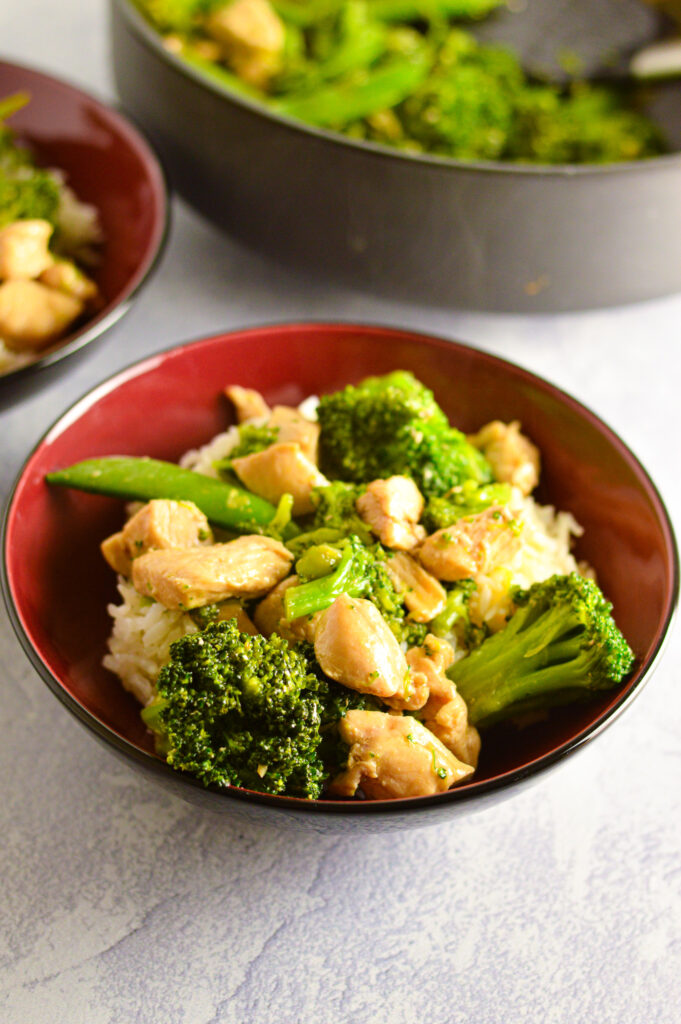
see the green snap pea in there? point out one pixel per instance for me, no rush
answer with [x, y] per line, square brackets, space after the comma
[341, 103]
[142, 479]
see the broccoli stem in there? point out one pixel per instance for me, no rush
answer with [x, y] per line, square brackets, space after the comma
[559, 644]
[350, 577]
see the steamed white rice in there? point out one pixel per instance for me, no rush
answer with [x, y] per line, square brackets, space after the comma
[139, 645]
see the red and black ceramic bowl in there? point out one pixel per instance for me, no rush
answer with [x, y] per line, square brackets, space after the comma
[56, 584]
[108, 164]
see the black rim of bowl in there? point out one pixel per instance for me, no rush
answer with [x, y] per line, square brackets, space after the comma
[470, 792]
[100, 324]
[151, 37]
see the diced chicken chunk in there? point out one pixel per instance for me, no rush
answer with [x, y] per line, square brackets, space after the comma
[394, 756]
[295, 428]
[248, 403]
[475, 544]
[160, 523]
[183, 579]
[252, 37]
[445, 714]
[392, 509]
[270, 615]
[280, 469]
[116, 553]
[24, 254]
[33, 315]
[424, 596]
[512, 456]
[355, 646]
[66, 277]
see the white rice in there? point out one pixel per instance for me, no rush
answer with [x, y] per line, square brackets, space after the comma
[547, 537]
[202, 460]
[139, 645]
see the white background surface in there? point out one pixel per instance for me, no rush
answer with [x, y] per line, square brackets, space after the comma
[119, 903]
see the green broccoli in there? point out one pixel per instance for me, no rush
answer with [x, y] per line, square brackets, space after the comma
[240, 710]
[466, 500]
[26, 192]
[561, 643]
[455, 616]
[334, 508]
[252, 439]
[34, 197]
[392, 425]
[359, 572]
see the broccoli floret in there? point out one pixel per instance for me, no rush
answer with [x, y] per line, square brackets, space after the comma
[561, 643]
[240, 710]
[31, 195]
[252, 439]
[392, 425]
[335, 508]
[360, 572]
[455, 616]
[466, 500]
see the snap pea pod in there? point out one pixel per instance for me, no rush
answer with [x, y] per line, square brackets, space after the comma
[359, 50]
[142, 479]
[343, 102]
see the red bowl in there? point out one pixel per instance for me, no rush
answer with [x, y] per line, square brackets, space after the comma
[56, 584]
[108, 164]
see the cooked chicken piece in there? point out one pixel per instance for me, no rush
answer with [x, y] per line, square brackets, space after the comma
[158, 524]
[394, 756]
[116, 553]
[280, 469]
[24, 254]
[33, 315]
[294, 428]
[248, 403]
[445, 714]
[162, 523]
[252, 37]
[472, 545]
[512, 456]
[245, 567]
[234, 610]
[424, 596]
[66, 277]
[392, 508]
[270, 615]
[355, 646]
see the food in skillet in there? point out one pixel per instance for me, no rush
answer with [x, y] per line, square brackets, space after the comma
[337, 600]
[45, 236]
[404, 73]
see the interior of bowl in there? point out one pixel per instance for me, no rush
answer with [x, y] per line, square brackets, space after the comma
[59, 584]
[109, 165]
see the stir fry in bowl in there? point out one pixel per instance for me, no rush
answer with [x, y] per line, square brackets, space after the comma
[403, 73]
[339, 599]
[46, 237]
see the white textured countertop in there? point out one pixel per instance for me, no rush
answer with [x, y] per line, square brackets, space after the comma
[122, 904]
